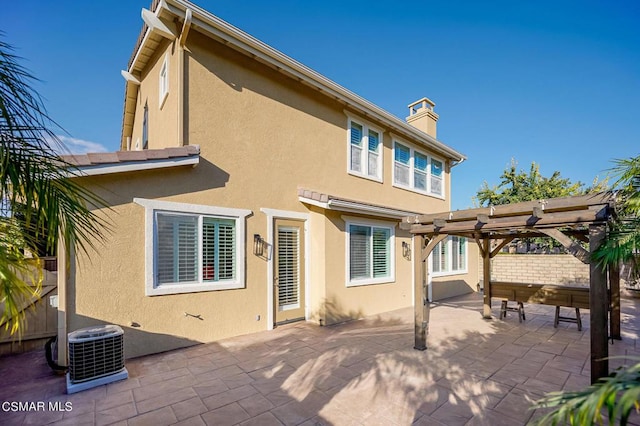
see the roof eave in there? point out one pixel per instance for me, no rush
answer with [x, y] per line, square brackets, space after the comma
[248, 44]
[134, 166]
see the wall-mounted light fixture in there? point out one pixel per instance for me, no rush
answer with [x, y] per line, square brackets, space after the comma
[406, 250]
[258, 245]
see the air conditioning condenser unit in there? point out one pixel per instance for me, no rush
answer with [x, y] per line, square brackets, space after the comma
[96, 357]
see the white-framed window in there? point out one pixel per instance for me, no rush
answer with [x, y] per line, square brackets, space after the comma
[417, 171]
[365, 150]
[163, 90]
[370, 249]
[449, 257]
[192, 247]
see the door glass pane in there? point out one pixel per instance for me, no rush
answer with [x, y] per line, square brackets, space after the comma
[288, 266]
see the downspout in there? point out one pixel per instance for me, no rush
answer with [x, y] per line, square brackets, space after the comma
[457, 163]
[181, 54]
[63, 273]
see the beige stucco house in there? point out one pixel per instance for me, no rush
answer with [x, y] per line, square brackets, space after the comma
[251, 191]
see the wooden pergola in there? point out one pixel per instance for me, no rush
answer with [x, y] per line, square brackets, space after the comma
[568, 220]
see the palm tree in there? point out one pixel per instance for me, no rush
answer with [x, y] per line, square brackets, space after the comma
[616, 395]
[40, 200]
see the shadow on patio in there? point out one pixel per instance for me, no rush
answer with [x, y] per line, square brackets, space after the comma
[361, 372]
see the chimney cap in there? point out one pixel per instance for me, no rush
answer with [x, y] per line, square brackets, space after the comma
[420, 104]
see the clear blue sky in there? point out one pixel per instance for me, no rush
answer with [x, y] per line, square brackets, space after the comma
[556, 82]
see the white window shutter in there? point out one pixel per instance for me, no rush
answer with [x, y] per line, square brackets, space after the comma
[359, 252]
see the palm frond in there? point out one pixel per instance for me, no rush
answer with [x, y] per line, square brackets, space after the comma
[616, 396]
[44, 201]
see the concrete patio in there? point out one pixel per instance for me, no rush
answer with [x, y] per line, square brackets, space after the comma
[475, 372]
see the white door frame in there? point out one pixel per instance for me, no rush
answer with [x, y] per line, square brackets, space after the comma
[273, 214]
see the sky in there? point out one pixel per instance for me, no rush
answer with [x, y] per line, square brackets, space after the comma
[555, 82]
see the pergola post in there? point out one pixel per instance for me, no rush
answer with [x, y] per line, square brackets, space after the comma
[598, 307]
[486, 277]
[421, 305]
[614, 287]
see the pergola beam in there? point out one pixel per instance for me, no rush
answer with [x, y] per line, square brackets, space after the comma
[500, 245]
[505, 223]
[572, 247]
[516, 209]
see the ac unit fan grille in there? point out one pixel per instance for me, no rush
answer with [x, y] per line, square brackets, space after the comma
[95, 358]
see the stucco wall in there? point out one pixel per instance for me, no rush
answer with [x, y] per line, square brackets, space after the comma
[262, 136]
[162, 119]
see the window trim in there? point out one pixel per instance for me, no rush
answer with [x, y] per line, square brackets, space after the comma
[163, 89]
[366, 127]
[392, 251]
[449, 255]
[153, 206]
[411, 187]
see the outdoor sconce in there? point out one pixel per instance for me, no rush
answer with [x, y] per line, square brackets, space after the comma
[258, 245]
[406, 250]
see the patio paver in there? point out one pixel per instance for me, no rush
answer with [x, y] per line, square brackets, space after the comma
[365, 372]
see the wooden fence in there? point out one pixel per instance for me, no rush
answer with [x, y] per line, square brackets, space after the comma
[41, 318]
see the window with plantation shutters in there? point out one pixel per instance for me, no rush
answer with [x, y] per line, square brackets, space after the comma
[365, 151]
[402, 167]
[194, 248]
[218, 249]
[449, 256]
[436, 177]
[369, 254]
[417, 171]
[356, 147]
[360, 252]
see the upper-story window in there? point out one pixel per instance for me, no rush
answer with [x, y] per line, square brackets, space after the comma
[365, 150]
[163, 91]
[417, 171]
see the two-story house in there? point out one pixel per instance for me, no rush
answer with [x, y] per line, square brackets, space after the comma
[251, 191]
